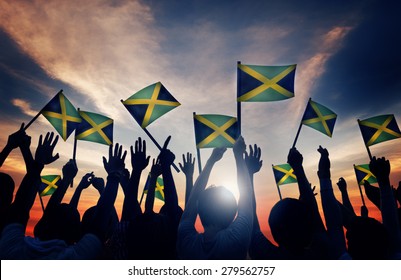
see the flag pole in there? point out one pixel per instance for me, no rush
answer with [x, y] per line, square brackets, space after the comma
[238, 102]
[360, 189]
[38, 114]
[279, 192]
[41, 202]
[158, 146]
[74, 152]
[198, 150]
[300, 125]
[366, 146]
[278, 187]
[296, 136]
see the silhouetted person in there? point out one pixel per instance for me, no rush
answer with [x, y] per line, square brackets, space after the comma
[225, 236]
[60, 221]
[342, 186]
[380, 167]
[6, 197]
[332, 212]
[153, 235]
[368, 239]
[295, 224]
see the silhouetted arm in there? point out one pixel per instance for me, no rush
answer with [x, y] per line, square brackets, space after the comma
[190, 211]
[25, 197]
[14, 141]
[342, 186]
[306, 194]
[373, 193]
[69, 172]
[114, 167]
[260, 246]
[254, 164]
[155, 172]
[139, 162]
[187, 167]
[170, 193]
[381, 169]
[85, 182]
[332, 212]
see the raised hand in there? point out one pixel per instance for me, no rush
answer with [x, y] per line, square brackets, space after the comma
[15, 140]
[44, 151]
[295, 158]
[115, 166]
[324, 164]
[86, 180]
[239, 147]
[342, 185]
[70, 170]
[139, 161]
[187, 166]
[380, 167]
[166, 156]
[156, 169]
[252, 159]
[217, 154]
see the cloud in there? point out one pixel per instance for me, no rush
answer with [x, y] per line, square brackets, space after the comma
[24, 106]
[102, 50]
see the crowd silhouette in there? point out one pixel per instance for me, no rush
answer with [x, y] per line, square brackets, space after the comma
[231, 228]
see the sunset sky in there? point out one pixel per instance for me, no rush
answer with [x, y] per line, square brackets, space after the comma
[98, 52]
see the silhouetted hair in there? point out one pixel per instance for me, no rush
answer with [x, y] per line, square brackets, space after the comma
[291, 224]
[217, 206]
[87, 225]
[60, 222]
[367, 239]
[6, 189]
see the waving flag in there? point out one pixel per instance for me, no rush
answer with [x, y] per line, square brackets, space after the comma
[62, 115]
[379, 129]
[49, 184]
[265, 83]
[95, 128]
[363, 173]
[319, 117]
[159, 188]
[150, 103]
[284, 174]
[215, 131]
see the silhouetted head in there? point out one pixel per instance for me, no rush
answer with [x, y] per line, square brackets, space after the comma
[367, 239]
[217, 207]
[6, 189]
[88, 219]
[59, 222]
[291, 224]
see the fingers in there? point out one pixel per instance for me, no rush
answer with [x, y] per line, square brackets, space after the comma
[40, 140]
[143, 145]
[166, 142]
[54, 158]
